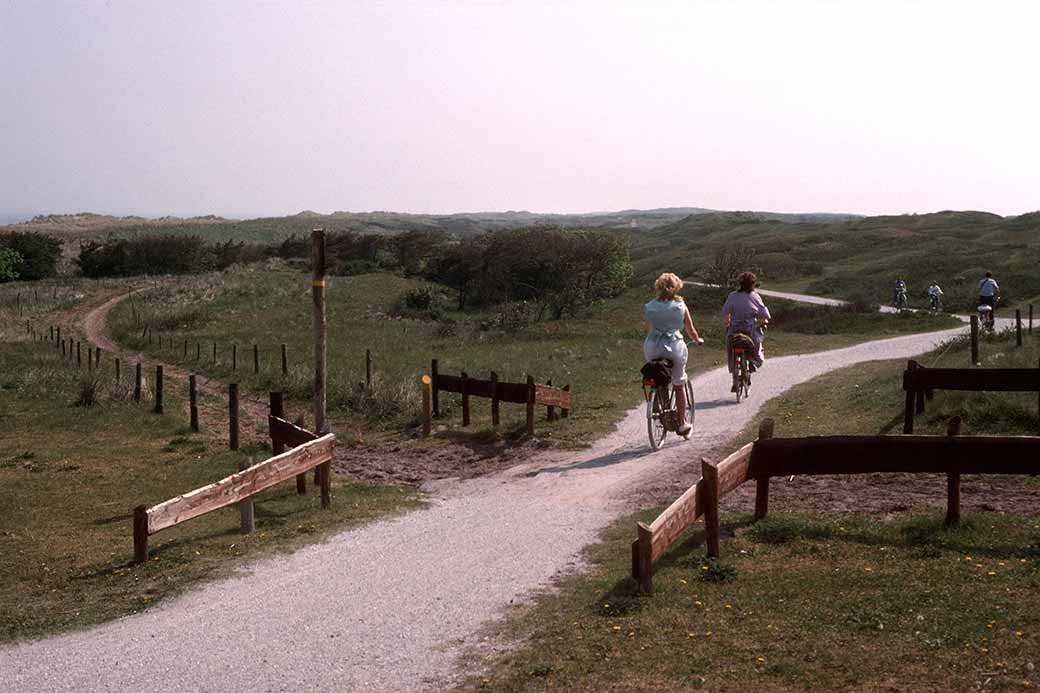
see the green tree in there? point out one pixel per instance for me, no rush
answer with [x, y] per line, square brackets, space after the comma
[10, 263]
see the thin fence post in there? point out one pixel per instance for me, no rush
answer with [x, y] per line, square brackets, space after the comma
[1030, 318]
[1018, 327]
[321, 335]
[465, 399]
[550, 410]
[642, 558]
[953, 479]
[234, 357]
[494, 399]
[63, 349]
[1030, 324]
[214, 352]
[58, 335]
[530, 405]
[90, 359]
[137, 383]
[245, 506]
[233, 416]
[908, 386]
[198, 351]
[285, 361]
[765, 432]
[256, 358]
[435, 393]
[140, 534]
[565, 411]
[158, 389]
[974, 340]
[118, 365]
[79, 358]
[368, 368]
[193, 403]
[427, 424]
[97, 357]
[184, 353]
[710, 479]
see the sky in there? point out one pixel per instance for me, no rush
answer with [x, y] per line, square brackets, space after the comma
[269, 108]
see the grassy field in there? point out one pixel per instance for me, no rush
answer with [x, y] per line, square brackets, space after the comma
[70, 476]
[599, 354]
[811, 599]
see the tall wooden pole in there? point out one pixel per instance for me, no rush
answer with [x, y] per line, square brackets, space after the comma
[321, 335]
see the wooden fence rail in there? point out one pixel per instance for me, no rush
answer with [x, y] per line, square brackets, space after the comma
[228, 491]
[767, 457]
[529, 393]
[919, 382]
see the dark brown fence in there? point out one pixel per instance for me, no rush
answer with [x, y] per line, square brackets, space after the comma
[919, 383]
[767, 457]
[528, 393]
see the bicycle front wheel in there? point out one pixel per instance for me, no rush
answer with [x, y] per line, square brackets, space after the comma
[689, 404]
[655, 427]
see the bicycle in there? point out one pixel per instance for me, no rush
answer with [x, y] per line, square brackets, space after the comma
[742, 345]
[986, 317]
[901, 302]
[662, 415]
[937, 306]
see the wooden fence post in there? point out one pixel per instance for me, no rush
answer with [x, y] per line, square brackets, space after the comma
[1030, 325]
[198, 351]
[710, 478]
[642, 558]
[214, 352]
[953, 479]
[285, 362]
[465, 399]
[63, 350]
[435, 392]
[90, 359]
[158, 390]
[79, 358]
[427, 415]
[193, 403]
[234, 357]
[137, 383]
[564, 411]
[1030, 318]
[184, 354]
[1018, 327]
[550, 410]
[368, 368]
[975, 340]
[321, 335]
[530, 406]
[765, 432]
[494, 400]
[97, 357]
[140, 534]
[256, 358]
[245, 506]
[908, 386]
[58, 335]
[233, 416]
[118, 366]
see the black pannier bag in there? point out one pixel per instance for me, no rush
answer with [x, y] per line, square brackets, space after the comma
[657, 372]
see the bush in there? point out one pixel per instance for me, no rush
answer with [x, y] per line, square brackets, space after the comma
[124, 257]
[88, 393]
[39, 254]
[422, 303]
[10, 263]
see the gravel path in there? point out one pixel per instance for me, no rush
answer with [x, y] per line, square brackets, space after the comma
[391, 605]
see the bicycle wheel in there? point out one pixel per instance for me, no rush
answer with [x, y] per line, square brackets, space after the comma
[747, 381]
[655, 427]
[738, 375]
[689, 404]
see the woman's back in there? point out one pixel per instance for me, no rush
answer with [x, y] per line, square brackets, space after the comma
[665, 316]
[744, 308]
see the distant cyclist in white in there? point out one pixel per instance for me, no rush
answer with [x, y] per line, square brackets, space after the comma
[989, 291]
[935, 294]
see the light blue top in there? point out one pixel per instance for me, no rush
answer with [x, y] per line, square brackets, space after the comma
[666, 319]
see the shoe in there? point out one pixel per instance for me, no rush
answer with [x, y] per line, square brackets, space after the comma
[734, 388]
[685, 432]
[752, 368]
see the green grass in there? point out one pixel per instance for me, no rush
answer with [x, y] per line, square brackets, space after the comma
[70, 477]
[809, 600]
[599, 354]
[799, 602]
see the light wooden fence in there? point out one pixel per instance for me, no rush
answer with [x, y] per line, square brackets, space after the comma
[767, 457]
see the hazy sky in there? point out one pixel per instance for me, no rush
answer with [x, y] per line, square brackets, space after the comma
[270, 108]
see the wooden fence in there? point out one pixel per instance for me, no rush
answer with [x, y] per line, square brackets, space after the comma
[237, 488]
[919, 383]
[528, 393]
[768, 457]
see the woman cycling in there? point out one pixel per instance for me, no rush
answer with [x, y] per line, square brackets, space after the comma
[745, 313]
[666, 318]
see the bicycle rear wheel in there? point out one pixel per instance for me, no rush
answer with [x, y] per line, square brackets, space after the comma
[655, 427]
[738, 373]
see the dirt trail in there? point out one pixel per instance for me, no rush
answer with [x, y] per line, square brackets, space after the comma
[391, 606]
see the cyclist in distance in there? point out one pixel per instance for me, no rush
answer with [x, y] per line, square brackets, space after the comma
[935, 294]
[745, 313]
[989, 291]
[666, 318]
[899, 294]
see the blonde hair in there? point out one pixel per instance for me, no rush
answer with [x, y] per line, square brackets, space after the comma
[667, 285]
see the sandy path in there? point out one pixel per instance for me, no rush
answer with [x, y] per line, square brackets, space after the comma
[391, 605]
